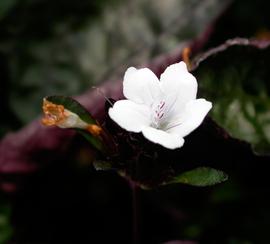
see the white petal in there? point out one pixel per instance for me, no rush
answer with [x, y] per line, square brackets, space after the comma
[179, 84]
[171, 141]
[195, 112]
[141, 85]
[130, 116]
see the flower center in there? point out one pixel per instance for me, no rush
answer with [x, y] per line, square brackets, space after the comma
[158, 114]
[163, 116]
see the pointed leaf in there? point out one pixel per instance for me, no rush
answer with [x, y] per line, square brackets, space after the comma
[202, 176]
[94, 141]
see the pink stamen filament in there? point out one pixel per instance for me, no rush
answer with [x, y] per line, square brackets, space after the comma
[160, 115]
[160, 110]
[162, 105]
[173, 125]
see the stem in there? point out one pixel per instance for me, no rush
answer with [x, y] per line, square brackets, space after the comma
[135, 209]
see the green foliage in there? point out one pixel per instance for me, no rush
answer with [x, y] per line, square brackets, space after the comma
[94, 141]
[237, 82]
[202, 176]
[66, 46]
[5, 7]
[43, 51]
[5, 227]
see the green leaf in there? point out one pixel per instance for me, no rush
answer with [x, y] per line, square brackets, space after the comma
[202, 176]
[236, 80]
[75, 107]
[94, 141]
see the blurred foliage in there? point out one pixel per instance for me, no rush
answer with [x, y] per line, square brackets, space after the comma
[6, 6]
[243, 18]
[5, 225]
[38, 47]
[237, 82]
[64, 47]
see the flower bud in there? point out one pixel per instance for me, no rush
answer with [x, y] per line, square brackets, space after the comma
[60, 116]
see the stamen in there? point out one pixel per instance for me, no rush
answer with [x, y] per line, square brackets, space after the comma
[159, 113]
[162, 104]
[170, 126]
[169, 106]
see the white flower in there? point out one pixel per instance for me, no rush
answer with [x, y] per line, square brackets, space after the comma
[164, 110]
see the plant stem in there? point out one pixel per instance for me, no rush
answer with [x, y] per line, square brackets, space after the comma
[135, 209]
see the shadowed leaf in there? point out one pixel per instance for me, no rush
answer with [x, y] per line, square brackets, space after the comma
[202, 176]
[235, 77]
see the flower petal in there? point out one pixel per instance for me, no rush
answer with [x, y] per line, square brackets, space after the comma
[195, 112]
[180, 85]
[141, 85]
[170, 141]
[130, 116]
